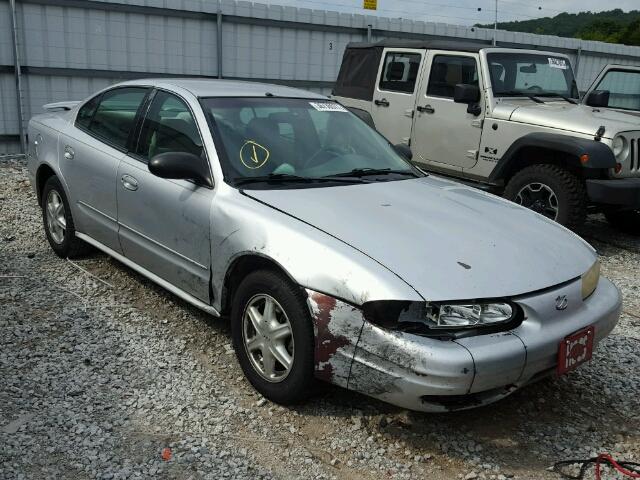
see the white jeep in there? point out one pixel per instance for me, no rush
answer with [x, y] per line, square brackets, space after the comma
[506, 120]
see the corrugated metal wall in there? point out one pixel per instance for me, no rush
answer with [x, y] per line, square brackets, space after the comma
[70, 48]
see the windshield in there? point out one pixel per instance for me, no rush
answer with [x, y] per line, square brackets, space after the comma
[527, 74]
[264, 140]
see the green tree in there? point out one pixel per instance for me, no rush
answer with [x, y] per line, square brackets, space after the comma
[631, 34]
[614, 26]
[602, 30]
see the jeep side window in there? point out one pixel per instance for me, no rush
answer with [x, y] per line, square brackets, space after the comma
[624, 88]
[400, 72]
[447, 71]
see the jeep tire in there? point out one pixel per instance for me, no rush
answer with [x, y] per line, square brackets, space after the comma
[551, 191]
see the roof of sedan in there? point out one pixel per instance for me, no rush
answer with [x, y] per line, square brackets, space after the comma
[209, 87]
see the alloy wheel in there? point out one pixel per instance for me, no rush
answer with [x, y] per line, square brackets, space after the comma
[268, 338]
[540, 198]
[56, 221]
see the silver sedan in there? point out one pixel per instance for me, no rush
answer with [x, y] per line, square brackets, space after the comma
[333, 257]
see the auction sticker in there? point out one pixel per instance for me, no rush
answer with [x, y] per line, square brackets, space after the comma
[558, 63]
[328, 107]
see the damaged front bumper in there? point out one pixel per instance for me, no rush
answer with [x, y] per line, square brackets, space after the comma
[429, 374]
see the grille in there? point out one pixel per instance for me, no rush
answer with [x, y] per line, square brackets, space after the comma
[634, 158]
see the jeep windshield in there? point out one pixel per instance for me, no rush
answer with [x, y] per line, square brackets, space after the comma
[299, 143]
[516, 74]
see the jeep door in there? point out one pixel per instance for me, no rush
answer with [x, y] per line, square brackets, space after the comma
[164, 223]
[623, 84]
[394, 93]
[90, 150]
[445, 136]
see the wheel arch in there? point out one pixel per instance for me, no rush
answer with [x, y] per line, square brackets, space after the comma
[44, 173]
[584, 157]
[239, 268]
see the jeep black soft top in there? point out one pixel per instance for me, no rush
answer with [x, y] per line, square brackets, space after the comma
[361, 61]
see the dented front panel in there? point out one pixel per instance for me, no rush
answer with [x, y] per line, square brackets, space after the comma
[242, 226]
[400, 368]
[498, 358]
[337, 327]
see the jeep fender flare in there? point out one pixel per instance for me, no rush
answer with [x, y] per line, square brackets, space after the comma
[600, 156]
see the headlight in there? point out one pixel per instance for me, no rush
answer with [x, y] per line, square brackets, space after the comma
[457, 318]
[619, 146]
[466, 315]
[590, 279]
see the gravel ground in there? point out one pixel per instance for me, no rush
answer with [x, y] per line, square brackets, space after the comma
[100, 372]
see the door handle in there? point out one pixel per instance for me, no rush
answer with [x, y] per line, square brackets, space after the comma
[129, 182]
[426, 109]
[382, 103]
[68, 152]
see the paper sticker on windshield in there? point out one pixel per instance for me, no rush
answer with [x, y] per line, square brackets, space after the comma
[558, 63]
[328, 107]
[253, 155]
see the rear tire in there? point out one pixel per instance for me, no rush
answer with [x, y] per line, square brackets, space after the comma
[551, 191]
[627, 221]
[284, 328]
[58, 223]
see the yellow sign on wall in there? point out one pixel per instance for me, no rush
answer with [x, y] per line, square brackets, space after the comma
[371, 4]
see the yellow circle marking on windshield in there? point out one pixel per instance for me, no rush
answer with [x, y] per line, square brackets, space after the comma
[253, 155]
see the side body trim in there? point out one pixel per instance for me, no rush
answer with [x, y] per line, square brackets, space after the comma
[163, 246]
[80, 202]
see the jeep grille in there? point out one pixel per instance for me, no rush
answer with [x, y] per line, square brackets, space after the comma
[631, 164]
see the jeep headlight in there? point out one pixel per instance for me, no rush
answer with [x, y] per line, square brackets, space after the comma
[468, 314]
[619, 147]
[590, 279]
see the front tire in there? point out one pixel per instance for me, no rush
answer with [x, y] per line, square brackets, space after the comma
[551, 191]
[58, 223]
[273, 336]
[627, 220]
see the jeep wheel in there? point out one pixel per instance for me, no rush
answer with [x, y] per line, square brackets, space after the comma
[627, 220]
[551, 191]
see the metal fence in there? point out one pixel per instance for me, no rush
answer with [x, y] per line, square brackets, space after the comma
[67, 49]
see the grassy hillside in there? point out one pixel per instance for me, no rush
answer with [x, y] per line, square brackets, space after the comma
[613, 26]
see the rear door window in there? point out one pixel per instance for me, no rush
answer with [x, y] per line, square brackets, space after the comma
[400, 72]
[114, 117]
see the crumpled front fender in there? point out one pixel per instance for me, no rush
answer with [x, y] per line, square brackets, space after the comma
[312, 258]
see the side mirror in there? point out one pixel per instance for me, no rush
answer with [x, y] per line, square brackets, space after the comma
[598, 98]
[404, 150]
[180, 165]
[465, 93]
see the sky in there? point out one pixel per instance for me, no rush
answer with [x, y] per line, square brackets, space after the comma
[465, 12]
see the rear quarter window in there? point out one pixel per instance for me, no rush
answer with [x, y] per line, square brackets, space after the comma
[113, 116]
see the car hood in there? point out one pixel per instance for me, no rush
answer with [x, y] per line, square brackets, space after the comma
[445, 240]
[576, 118]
